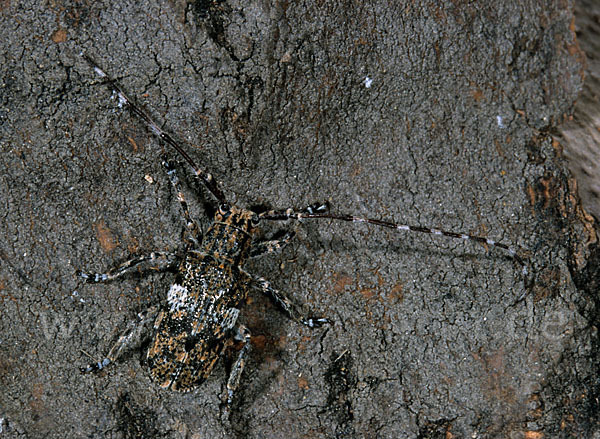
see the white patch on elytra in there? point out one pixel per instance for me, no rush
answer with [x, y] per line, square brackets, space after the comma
[177, 297]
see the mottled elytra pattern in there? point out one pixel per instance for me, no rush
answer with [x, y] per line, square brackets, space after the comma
[202, 305]
[198, 320]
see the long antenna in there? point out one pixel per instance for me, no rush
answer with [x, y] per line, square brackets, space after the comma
[320, 211]
[205, 177]
[312, 212]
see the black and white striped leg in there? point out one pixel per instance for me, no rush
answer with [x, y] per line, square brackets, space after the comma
[262, 247]
[138, 331]
[191, 226]
[158, 261]
[284, 302]
[242, 334]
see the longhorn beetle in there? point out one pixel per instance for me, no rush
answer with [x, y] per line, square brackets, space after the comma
[198, 320]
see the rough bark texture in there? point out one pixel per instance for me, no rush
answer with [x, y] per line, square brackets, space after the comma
[582, 132]
[430, 339]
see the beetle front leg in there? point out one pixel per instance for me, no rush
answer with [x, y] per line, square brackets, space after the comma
[136, 333]
[195, 235]
[262, 247]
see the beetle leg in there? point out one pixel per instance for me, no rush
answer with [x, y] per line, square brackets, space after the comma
[158, 261]
[242, 334]
[191, 226]
[137, 332]
[284, 302]
[261, 247]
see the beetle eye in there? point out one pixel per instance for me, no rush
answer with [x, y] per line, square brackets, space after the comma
[255, 220]
[224, 208]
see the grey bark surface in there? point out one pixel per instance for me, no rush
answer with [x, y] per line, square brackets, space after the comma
[582, 132]
[430, 338]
